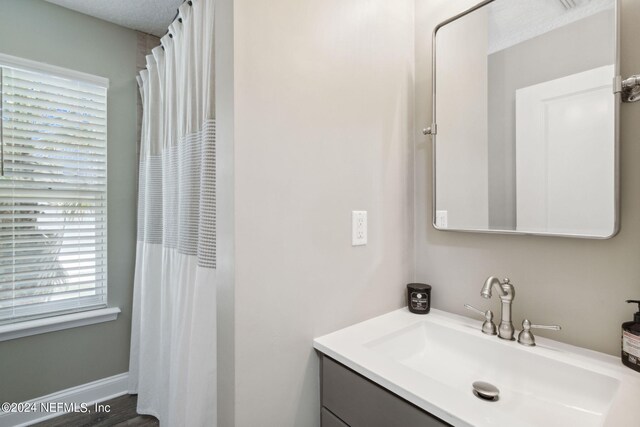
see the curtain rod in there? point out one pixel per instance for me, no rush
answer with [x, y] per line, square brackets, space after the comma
[190, 3]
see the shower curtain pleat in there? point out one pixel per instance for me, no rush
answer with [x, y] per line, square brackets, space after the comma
[173, 342]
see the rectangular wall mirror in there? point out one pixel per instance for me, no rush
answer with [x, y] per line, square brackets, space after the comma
[527, 141]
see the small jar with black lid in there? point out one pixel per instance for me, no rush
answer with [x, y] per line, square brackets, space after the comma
[419, 298]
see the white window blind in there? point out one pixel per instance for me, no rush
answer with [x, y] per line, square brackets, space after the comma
[53, 191]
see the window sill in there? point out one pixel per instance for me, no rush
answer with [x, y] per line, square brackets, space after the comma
[57, 323]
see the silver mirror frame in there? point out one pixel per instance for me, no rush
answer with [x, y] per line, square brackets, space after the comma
[432, 130]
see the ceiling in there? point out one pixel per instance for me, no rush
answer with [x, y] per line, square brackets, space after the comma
[149, 16]
[514, 21]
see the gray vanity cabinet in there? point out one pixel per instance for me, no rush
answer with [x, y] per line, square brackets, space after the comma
[351, 400]
[327, 419]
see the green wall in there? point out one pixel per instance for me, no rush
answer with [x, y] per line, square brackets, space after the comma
[38, 365]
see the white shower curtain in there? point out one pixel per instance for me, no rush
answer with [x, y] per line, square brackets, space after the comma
[173, 341]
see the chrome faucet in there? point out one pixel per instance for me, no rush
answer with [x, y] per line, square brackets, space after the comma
[507, 293]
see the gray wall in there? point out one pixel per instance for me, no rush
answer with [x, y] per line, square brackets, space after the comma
[36, 30]
[323, 126]
[579, 284]
[462, 176]
[580, 46]
[225, 215]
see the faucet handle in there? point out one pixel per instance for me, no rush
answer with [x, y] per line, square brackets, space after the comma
[477, 310]
[488, 327]
[525, 337]
[551, 327]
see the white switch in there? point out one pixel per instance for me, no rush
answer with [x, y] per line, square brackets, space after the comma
[441, 219]
[358, 228]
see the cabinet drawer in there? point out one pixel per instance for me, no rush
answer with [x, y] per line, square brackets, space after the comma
[361, 403]
[327, 419]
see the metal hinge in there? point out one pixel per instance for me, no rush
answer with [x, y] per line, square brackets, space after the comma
[631, 89]
[431, 130]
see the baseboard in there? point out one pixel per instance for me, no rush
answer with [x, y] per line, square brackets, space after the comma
[88, 394]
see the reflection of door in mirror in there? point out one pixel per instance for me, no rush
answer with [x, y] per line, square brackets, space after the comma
[490, 169]
[565, 154]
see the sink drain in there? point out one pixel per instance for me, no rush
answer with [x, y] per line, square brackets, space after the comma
[486, 391]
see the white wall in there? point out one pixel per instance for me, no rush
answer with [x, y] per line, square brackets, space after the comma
[323, 126]
[579, 284]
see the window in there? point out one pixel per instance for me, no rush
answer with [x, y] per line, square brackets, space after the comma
[53, 190]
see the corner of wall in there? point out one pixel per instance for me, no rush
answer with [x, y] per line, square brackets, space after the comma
[225, 227]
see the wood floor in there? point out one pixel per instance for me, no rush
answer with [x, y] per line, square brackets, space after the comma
[122, 413]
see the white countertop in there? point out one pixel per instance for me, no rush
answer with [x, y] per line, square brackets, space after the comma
[402, 352]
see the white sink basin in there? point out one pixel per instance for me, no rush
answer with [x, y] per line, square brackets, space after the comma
[432, 361]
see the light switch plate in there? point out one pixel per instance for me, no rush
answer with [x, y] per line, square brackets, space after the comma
[358, 228]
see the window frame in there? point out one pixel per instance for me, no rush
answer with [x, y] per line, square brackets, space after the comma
[64, 319]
